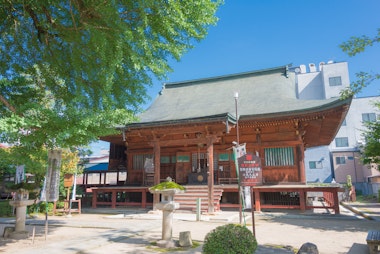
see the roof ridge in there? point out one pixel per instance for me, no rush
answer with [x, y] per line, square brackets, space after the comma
[283, 68]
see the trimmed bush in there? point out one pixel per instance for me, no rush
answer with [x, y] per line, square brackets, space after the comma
[230, 238]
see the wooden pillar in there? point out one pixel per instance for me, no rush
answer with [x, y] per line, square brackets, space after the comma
[157, 169]
[94, 198]
[210, 178]
[336, 201]
[143, 198]
[257, 200]
[301, 165]
[302, 200]
[113, 198]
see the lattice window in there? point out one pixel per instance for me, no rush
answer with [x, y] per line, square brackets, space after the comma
[279, 156]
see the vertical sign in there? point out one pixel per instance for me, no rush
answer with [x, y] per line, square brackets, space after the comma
[250, 172]
[20, 174]
[51, 184]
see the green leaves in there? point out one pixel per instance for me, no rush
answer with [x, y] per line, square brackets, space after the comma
[70, 71]
[357, 45]
[371, 148]
[353, 46]
[99, 52]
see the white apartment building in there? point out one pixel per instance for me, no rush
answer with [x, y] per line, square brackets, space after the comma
[342, 156]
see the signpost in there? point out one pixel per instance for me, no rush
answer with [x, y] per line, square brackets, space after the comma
[50, 192]
[250, 174]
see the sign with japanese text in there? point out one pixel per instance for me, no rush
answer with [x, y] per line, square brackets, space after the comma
[50, 191]
[250, 171]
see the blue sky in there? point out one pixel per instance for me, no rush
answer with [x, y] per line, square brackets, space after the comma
[252, 35]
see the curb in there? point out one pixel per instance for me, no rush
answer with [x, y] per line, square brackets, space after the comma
[356, 211]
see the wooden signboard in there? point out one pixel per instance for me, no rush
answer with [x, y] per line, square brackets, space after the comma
[250, 171]
[68, 180]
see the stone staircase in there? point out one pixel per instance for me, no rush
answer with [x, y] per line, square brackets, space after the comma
[188, 199]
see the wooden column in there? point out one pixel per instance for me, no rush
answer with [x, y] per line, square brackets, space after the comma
[210, 178]
[94, 198]
[301, 165]
[157, 169]
[113, 198]
[257, 200]
[336, 201]
[302, 200]
[143, 198]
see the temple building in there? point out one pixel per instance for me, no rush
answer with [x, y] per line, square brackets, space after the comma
[189, 131]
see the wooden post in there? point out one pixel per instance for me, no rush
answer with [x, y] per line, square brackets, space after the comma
[336, 201]
[210, 178]
[253, 212]
[157, 168]
[257, 200]
[302, 200]
[113, 199]
[301, 165]
[94, 198]
[143, 198]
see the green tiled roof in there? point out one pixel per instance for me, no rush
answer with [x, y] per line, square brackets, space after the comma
[261, 93]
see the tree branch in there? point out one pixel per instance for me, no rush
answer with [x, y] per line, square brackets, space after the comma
[7, 104]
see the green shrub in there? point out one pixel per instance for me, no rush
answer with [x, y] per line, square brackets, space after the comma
[230, 238]
[6, 210]
[41, 207]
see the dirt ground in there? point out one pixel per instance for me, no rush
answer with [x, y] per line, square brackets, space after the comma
[97, 233]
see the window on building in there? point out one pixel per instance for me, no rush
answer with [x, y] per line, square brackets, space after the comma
[369, 117]
[279, 156]
[139, 160]
[344, 123]
[335, 81]
[340, 160]
[315, 164]
[341, 142]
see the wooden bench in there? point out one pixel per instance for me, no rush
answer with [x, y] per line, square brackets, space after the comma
[373, 241]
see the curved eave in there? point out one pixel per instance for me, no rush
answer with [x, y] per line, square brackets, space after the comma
[201, 120]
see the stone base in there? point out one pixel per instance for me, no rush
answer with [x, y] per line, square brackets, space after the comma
[185, 239]
[19, 235]
[166, 244]
[8, 231]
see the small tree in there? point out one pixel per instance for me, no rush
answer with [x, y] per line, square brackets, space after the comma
[230, 239]
[370, 151]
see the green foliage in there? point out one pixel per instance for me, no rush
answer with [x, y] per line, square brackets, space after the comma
[229, 239]
[370, 151]
[349, 181]
[99, 53]
[352, 47]
[71, 71]
[356, 45]
[167, 185]
[6, 210]
[35, 161]
[41, 207]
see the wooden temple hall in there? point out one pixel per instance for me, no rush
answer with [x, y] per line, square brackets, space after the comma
[189, 131]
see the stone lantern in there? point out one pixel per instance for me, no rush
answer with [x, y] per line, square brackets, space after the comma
[167, 190]
[20, 202]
